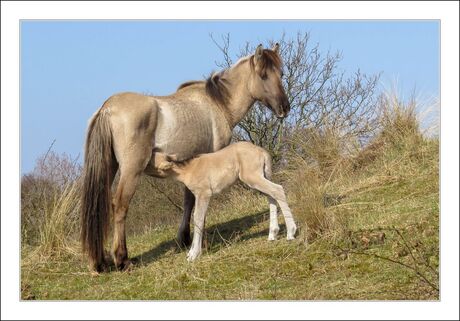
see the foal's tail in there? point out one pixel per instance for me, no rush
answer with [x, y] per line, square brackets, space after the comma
[96, 198]
[267, 165]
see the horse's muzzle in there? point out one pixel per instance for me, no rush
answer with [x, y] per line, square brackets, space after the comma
[285, 107]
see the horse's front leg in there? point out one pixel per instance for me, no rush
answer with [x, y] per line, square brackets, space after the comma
[199, 216]
[183, 235]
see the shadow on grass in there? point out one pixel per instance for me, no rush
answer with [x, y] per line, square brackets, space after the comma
[217, 236]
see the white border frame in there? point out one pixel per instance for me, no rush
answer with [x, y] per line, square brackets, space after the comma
[12, 12]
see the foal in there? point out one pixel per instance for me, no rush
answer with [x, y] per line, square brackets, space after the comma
[208, 174]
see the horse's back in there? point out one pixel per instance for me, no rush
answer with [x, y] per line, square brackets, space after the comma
[188, 128]
[129, 105]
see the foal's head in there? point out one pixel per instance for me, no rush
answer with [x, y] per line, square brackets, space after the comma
[265, 85]
[163, 164]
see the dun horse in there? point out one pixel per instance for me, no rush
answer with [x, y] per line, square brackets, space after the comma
[198, 118]
[208, 174]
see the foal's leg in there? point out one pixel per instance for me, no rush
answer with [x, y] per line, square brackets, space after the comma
[183, 235]
[277, 192]
[199, 215]
[274, 227]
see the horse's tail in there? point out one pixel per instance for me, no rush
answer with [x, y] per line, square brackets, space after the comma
[97, 178]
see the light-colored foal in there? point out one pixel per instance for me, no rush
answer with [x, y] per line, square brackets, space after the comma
[208, 174]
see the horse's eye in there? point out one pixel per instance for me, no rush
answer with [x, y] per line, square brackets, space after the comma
[264, 77]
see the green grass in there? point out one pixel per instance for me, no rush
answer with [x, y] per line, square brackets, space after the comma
[371, 220]
[384, 245]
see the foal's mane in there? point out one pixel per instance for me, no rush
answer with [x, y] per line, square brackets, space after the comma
[216, 85]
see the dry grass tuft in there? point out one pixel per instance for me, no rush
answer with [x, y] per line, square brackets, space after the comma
[61, 220]
[399, 123]
[326, 167]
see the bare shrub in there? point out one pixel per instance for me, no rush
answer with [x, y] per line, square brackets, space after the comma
[320, 94]
[49, 202]
[60, 169]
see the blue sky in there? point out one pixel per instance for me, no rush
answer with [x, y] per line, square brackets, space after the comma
[69, 68]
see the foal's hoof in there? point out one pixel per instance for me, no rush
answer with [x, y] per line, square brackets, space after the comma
[192, 255]
[184, 240]
[273, 233]
[291, 233]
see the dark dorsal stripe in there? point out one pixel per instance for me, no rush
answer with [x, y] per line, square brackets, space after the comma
[189, 83]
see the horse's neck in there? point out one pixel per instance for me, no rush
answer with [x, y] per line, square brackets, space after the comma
[240, 98]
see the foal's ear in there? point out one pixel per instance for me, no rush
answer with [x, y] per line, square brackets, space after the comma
[164, 166]
[259, 52]
[171, 158]
[276, 48]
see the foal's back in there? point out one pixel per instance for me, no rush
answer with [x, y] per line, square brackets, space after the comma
[221, 169]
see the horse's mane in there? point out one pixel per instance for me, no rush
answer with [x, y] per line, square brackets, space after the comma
[268, 60]
[216, 88]
[216, 85]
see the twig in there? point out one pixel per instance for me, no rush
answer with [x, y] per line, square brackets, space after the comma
[410, 248]
[393, 261]
[49, 149]
[180, 208]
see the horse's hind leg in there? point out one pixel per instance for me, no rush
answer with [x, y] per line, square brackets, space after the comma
[129, 177]
[131, 167]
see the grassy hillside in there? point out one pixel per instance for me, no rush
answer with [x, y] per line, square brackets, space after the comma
[369, 229]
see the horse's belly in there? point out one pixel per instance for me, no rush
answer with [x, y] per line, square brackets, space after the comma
[183, 134]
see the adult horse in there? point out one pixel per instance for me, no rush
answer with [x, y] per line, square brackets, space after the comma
[198, 118]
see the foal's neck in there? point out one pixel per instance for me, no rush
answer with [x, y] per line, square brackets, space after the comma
[241, 100]
[179, 171]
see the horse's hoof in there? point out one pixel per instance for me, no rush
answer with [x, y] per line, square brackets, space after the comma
[124, 266]
[100, 267]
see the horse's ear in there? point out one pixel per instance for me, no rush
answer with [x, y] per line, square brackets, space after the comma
[259, 52]
[276, 48]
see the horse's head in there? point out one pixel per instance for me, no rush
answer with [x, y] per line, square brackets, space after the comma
[266, 85]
